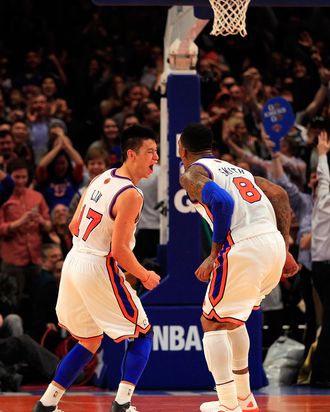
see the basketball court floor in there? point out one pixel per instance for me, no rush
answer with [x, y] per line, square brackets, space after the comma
[90, 399]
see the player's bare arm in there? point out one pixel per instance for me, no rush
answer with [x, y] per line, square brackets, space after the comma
[279, 199]
[75, 219]
[126, 211]
[202, 189]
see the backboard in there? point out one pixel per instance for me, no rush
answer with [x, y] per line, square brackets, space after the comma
[258, 3]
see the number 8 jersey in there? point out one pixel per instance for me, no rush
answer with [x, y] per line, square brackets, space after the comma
[253, 213]
[93, 232]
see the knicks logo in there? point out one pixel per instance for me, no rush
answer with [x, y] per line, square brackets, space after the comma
[182, 202]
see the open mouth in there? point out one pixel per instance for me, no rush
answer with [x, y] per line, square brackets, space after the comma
[151, 167]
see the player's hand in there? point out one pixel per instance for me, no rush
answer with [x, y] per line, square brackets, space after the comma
[291, 267]
[204, 271]
[152, 280]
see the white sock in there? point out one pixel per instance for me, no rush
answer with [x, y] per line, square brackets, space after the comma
[219, 360]
[225, 394]
[52, 396]
[240, 344]
[124, 393]
[242, 385]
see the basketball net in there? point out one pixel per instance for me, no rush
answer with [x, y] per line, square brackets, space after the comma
[229, 17]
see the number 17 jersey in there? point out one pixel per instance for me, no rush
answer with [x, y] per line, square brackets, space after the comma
[93, 233]
[253, 213]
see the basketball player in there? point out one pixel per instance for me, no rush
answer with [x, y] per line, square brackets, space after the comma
[249, 252]
[94, 297]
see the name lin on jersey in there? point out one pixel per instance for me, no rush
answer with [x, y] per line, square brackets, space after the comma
[96, 196]
[231, 170]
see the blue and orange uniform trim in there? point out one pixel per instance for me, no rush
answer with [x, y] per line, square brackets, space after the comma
[124, 299]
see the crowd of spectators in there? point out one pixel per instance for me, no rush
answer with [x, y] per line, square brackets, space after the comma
[78, 75]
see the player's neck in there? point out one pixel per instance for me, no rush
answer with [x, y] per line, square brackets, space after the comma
[199, 155]
[126, 171]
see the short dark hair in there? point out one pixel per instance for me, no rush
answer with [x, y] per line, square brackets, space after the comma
[46, 247]
[17, 164]
[196, 137]
[133, 137]
[143, 109]
[5, 133]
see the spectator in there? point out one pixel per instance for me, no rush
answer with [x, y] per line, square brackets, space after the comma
[60, 172]
[60, 234]
[149, 115]
[132, 97]
[21, 136]
[321, 262]
[39, 119]
[17, 352]
[45, 294]
[109, 142]
[302, 205]
[6, 187]
[112, 103]
[4, 110]
[7, 148]
[10, 325]
[130, 120]
[96, 162]
[23, 219]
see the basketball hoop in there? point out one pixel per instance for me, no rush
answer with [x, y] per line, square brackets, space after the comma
[229, 17]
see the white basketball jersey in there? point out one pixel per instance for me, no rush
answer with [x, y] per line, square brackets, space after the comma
[253, 213]
[96, 219]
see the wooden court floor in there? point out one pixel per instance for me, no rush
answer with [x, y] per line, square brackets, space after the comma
[90, 401]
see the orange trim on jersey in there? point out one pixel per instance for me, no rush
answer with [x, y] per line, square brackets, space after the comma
[113, 276]
[115, 197]
[80, 338]
[208, 212]
[213, 315]
[256, 307]
[135, 335]
[224, 269]
[230, 239]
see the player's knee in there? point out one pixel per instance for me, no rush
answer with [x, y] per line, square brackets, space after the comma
[92, 345]
[212, 325]
[142, 345]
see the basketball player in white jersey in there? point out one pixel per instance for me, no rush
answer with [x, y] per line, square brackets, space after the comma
[248, 255]
[94, 297]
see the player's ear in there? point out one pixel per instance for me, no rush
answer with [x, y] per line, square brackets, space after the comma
[131, 154]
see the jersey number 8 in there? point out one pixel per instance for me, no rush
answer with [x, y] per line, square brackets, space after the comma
[246, 189]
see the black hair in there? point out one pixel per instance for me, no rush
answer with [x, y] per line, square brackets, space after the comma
[46, 247]
[4, 133]
[143, 109]
[133, 137]
[196, 138]
[17, 164]
[51, 167]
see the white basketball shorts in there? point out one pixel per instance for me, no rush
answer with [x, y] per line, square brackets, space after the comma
[95, 298]
[247, 272]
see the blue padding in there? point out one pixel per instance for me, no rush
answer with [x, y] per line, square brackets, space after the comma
[136, 358]
[221, 205]
[71, 365]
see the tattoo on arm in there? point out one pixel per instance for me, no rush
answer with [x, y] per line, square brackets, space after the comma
[279, 199]
[193, 181]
